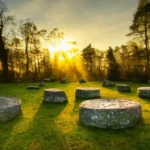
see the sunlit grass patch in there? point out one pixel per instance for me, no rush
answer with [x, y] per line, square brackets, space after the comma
[56, 126]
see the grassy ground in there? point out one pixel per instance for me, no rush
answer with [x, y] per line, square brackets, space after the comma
[44, 126]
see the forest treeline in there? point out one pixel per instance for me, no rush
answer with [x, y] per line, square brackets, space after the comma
[23, 55]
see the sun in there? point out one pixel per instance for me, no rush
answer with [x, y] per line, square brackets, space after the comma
[62, 46]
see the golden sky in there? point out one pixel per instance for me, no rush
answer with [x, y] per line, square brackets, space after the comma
[102, 23]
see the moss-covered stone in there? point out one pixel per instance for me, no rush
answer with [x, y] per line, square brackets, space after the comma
[9, 108]
[87, 93]
[55, 95]
[123, 88]
[110, 113]
[143, 92]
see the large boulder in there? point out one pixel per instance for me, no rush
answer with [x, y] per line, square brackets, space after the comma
[55, 96]
[9, 108]
[143, 92]
[110, 113]
[87, 93]
[123, 88]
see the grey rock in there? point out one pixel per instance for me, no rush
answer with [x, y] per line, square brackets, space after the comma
[46, 79]
[106, 83]
[87, 93]
[63, 80]
[32, 87]
[82, 81]
[143, 92]
[9, 108]
[55, 96]
[41, 84]
[110, 113]
[123, 88]
[52, 79]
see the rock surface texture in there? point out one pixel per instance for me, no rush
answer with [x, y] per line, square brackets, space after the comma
[9, 108]
[110, 113]
[87, 93]
[123, 88]
[55, 95]
[143, 92]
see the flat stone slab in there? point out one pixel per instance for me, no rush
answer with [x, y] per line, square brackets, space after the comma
[143, 92]
[9, 108]
[110, 113]
[32, 87]
[55, 95]
[123, 88]
[87, 93]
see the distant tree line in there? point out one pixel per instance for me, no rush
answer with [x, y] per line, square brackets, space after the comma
[127, 62]
[22, 55]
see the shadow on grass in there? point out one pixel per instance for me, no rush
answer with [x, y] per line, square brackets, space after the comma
[6, 129]
[42, 133]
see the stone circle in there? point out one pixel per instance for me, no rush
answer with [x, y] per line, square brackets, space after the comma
[55, 95]
[110, 113]
[143, 92]
[9, 108]
[87, 93]
[123, 88]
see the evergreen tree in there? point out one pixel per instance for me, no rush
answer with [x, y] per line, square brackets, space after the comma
[113, 72]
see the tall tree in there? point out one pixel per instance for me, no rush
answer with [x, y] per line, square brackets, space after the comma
[27, 28]
[141, 27]
[88, 54]
[113, 71]
[4, 21]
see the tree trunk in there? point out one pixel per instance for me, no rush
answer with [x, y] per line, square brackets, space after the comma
[146, 48]
[4, 77]
[27, 61]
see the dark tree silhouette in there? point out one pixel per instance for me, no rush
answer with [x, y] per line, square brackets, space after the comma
[4, 21]
[141, 28]
[88, 54]
[113, 71]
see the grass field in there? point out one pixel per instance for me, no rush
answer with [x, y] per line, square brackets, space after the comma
[45, 126]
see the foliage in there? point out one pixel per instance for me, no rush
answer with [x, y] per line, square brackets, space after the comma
[141, 28]
[113, 66]
[4, 22]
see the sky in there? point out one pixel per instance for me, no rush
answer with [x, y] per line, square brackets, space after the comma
[102, 23]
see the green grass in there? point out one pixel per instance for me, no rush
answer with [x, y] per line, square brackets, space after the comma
[45, 126]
